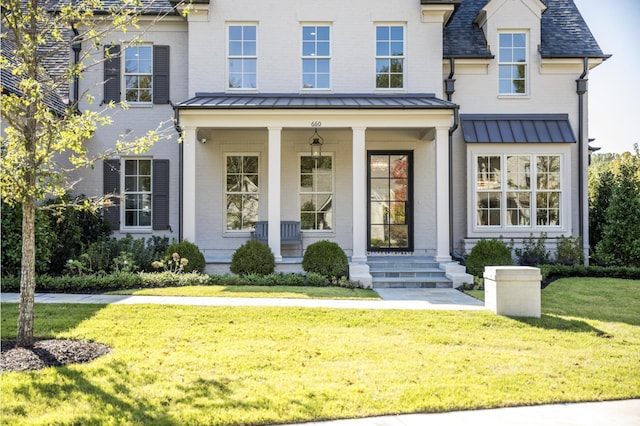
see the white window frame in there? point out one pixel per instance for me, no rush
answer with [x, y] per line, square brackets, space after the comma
[125, 193]
[516, 231]
[226, 193]
[332, 193]
[242, 57]
[125, 74]
[314, 57]
[390, 57]
[513, 63]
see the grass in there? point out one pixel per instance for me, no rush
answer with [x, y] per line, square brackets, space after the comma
[231, 366]
[290, 292]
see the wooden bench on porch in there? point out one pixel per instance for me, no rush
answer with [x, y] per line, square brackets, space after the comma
[289, 233]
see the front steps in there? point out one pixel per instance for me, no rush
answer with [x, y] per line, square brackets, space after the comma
[407, 272]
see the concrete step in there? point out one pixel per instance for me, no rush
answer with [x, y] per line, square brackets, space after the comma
[412, 282]
[407, 272]
[377, 271]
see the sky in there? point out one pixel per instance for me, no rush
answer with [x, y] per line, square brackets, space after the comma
[614, 86]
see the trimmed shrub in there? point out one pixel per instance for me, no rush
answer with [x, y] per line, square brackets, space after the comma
[253, 257]
[189, 251]
[569, 251]
[533, 251]
[326, 258]
[488, 253]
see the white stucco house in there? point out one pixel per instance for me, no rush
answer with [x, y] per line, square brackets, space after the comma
[406, 129]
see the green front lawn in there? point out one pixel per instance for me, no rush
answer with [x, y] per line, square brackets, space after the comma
[247, 365]
[290, 292]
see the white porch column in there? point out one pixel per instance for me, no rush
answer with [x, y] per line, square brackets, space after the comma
[273, 215]
[189, 184]
[359, 182]
[442, 195]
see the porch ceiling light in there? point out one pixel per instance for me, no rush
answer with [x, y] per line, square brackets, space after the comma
[316, 141]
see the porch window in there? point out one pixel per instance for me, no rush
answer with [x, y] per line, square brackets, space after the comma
[389, 57]
[242, 57]
[242, 187]
[316, 193]
[137, 193]
[518, 191]
[316, 57]
[512, 64]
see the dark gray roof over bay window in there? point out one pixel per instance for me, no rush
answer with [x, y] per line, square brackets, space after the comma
[517, 128]
[294, 101]
[564, 33]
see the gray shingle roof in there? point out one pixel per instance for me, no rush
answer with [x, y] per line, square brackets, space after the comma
[149, 7]
[462, 37]
[564, 32]
[293, 101]
[517, 128]
[11, 83]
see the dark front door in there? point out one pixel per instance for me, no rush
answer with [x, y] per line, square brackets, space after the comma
[390, 209]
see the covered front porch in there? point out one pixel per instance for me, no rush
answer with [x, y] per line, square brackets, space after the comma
[360, 133]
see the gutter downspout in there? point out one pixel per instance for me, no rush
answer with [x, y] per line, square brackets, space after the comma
[77, 48]
[581, 89]
[450, 90]
[176, 124]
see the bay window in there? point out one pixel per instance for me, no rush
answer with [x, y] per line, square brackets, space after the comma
[518, 190]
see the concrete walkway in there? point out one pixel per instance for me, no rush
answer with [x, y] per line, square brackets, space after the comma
[618, 413]
[411, 299]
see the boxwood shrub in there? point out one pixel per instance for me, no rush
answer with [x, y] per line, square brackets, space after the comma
[253, 257]
[191, 252]
[488, 253]
[326, 258]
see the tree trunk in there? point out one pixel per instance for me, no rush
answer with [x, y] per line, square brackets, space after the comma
[28, 274]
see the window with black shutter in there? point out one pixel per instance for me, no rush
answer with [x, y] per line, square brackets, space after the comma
[138, 87]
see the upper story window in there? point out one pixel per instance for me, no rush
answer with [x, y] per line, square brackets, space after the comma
[518, 191]
[138, 74]
[316, 57]
[512, 64]
[145, 71]
[137, 193]
[243, 56]
[390, 57]
[316, 193]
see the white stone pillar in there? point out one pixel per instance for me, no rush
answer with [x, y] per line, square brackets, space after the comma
[273, 211]
[442, 195]
[513, 290]
[359, 182]
[358, 268]
[189, 148]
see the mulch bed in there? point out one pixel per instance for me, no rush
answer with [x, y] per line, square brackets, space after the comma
[48, 353]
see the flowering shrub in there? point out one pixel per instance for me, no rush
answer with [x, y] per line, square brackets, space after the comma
[174, 264]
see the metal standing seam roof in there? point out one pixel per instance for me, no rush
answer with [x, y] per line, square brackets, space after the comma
[517, 128]
[296, 101]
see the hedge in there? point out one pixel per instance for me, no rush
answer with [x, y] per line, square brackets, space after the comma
[129, 280]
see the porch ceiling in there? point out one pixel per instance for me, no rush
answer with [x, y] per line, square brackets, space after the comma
[330, 101]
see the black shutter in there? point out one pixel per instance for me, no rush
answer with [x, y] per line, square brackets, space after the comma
[111, 185]
[160, 195]
[160, 74]
[112, 74]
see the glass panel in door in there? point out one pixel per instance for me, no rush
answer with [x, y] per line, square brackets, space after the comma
[390, 211]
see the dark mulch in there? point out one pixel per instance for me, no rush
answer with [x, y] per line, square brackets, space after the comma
[48, 353]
